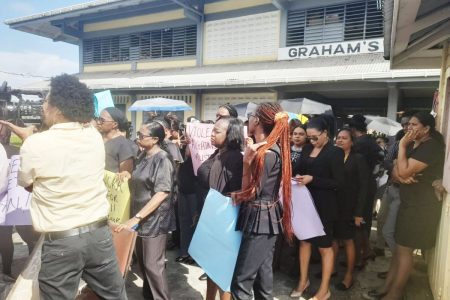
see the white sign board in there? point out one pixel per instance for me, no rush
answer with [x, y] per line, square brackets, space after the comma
[333, 49]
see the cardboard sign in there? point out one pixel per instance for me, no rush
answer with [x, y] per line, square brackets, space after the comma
[118, 198]
[15, 204]
[200, 146]
[215, 243]
[102, 100]
[306, 222]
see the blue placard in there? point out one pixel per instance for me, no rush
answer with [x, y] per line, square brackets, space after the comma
[215, 244]
[102, 100]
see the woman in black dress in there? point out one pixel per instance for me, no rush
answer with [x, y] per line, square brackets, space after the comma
[222, 171]
[152, 188]
[421, 151]
[267, 166]
[321, 169]
[350, 203]
[298, 139]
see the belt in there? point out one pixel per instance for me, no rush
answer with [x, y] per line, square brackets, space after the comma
[56, 235]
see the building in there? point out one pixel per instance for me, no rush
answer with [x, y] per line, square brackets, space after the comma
[418, 36]
[208, 52]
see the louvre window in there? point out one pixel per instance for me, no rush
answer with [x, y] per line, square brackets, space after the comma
[163, 43]
[345, 22]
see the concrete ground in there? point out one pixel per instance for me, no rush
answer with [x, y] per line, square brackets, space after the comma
[184, 283]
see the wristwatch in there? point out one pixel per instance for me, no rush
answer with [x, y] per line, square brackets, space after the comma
[138, 216]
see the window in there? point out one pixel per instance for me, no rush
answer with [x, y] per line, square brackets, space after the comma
[350, 21]
[162, 43]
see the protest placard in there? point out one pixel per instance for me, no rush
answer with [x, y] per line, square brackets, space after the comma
[216, 229]
[118, 197]
[102, 100]
[200, 146]
[306, 222]
[15, 204]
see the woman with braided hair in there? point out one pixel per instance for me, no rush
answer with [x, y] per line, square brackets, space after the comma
[267, 167]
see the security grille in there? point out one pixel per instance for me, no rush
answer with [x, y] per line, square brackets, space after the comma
[345, 22]
[161, 43]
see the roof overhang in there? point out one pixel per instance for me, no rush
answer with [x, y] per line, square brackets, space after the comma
[364, 67]
[66, 24]
[415, 31]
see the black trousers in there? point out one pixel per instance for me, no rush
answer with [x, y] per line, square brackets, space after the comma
[27, 234]
[90, 256]
[254, 268]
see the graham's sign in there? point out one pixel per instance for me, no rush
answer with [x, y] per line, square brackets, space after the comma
[333, 49]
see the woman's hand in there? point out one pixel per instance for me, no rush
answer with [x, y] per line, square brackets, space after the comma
[124, 175]
[128, 225]
[250, 152]
[358, 221]
[439, 189]
[21, 132]
[408, 138]
[303, 179]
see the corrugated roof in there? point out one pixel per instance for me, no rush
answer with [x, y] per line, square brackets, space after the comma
[63, 10]
[343, 68]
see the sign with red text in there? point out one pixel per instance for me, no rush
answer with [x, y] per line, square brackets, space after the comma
[200, 145]
[15, 204]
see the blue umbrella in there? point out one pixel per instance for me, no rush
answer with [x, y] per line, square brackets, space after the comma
[159, 104]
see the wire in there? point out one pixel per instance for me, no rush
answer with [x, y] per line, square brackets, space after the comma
[24, 75]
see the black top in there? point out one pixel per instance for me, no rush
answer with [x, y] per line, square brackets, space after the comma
[186, 177]
[327, 170]
[152, 175]
[422, 193]
[368, 147]
[174, 151]
[11, 150]
[263, 214]
[351, 199]
[118, 150]
[222, 172]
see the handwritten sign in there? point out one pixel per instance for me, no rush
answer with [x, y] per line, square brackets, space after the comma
[118, 197]
[102, 100]
[216, 229]
[200, 146]
[15, 204]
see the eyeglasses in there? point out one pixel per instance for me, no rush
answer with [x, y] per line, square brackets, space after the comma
[101, 120]
[314, 138]
[250, 115]
[141, 136]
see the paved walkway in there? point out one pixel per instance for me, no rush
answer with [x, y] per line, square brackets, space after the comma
[184, 283]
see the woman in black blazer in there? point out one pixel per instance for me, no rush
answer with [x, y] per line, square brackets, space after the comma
[321, 169]
[350, 202]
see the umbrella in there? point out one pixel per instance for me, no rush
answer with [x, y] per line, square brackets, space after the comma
[305, 106]
[243, 109]
[159, 104]
[385, 125]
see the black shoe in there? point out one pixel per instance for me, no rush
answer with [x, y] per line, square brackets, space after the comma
[373, 295]
[189, 261]
[318, 275]
[382, 275]
[203, 277]
[342, 287]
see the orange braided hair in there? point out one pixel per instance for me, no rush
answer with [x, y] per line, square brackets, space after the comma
[275, 123]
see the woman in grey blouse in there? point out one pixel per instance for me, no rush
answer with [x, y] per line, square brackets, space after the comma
[153, 208]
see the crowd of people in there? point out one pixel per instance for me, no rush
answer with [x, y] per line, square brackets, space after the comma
[63, 167]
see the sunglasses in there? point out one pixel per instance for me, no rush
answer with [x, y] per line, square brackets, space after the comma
[141, 136]
[314, 138]
[101, 120]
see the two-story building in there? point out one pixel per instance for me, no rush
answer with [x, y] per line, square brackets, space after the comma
[208, 52]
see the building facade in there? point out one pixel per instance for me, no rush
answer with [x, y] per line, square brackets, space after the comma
[208, 52]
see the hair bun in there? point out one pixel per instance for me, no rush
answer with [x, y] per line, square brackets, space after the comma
[281, 115]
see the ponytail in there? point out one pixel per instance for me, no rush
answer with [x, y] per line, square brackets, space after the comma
[279, 134]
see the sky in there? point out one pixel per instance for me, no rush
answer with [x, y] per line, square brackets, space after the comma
[29, 54]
